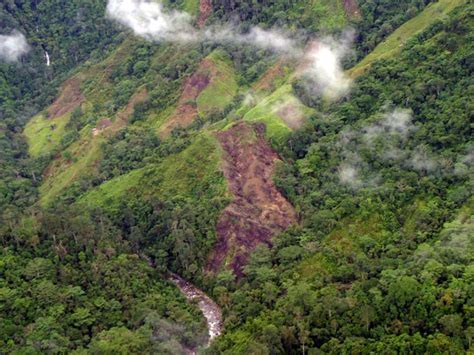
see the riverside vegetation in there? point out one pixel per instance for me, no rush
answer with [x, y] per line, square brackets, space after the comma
[125, 150]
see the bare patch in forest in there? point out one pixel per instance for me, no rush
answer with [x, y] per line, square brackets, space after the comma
[137, 98]
[205, 10]
[291, 114]
[186, 111]
[124, 115]
[70, 98]
[352, 9]
[258, 211]
[268, 81]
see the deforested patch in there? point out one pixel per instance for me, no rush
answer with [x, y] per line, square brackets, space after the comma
[352, 9]
[258, 210]
[205, 10]
[70, 98]
[186, 111]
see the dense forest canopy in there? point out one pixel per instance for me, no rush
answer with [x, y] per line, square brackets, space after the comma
[309, 164]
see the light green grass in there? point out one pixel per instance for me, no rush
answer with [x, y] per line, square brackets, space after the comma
[191, 7]
[266, 111]
[53, 185]
[44, 135]
[329, 14]
[157, 118]
[395, 42]
[316, 266]
[222, 88]
[193, 173]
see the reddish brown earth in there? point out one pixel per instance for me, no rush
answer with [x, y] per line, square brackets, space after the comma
[267, 81]
[258, 211]
[127, 112]
[186, 110]
[124, 115]
[205, 10]
[292, 115]
[352, 9]
[70, 97]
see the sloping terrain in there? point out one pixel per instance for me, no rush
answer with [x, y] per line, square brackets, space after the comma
[318, 225]
[435, 11]
[258, 211]
[205, 10]
[207, 91]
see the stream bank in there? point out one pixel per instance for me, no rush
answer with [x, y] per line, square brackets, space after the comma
[208, 307]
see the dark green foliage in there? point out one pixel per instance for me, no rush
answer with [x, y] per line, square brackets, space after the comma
[373, 267]
[382, 17]
[380, 263]
[71, 277]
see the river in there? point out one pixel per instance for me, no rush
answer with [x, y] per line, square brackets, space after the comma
[208, 307]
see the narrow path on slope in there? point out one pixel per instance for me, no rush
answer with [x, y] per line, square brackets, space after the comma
[208, 307]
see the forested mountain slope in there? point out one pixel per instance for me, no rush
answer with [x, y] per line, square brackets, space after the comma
[307, 163]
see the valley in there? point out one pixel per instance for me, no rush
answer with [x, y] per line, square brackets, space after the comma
[300, 173]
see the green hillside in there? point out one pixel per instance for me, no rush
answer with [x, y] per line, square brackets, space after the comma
[434, 12]
[307, 164]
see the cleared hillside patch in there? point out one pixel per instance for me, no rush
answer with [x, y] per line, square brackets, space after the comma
[208, 91]
[194, 173]
[44, 135]
[258, 210]
[281, 112]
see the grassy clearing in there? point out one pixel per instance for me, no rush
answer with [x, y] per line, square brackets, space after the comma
[222, 88]
[395, 42]
[315, 267]
[44, 135]
[191, 7]
[86, 155]
[330, 14]
[193, 173]
[267, 111]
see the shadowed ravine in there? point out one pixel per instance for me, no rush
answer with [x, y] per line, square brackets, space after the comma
[208, 307]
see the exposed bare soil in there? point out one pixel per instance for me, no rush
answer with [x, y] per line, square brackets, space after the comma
[205, 10]
[292, 115]
[352, 9]
[127, 112]
[70, 97]
[186, 110]
[258, 210]
[124, 115]
[267, 81]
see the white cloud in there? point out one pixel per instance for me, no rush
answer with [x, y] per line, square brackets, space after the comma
[421, 161]
[152, 21]
[149, 20]
[394, 123]
[324, 70]
[349, 175]
[13, 46]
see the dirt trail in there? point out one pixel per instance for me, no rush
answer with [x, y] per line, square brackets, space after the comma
[259, 210]
[205, 10]
[208, 307]
[70, 97]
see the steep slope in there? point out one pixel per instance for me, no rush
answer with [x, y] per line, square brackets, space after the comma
[346, 220]
[258, 211]
[207, 92]
[436, 11]
[372, 268]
